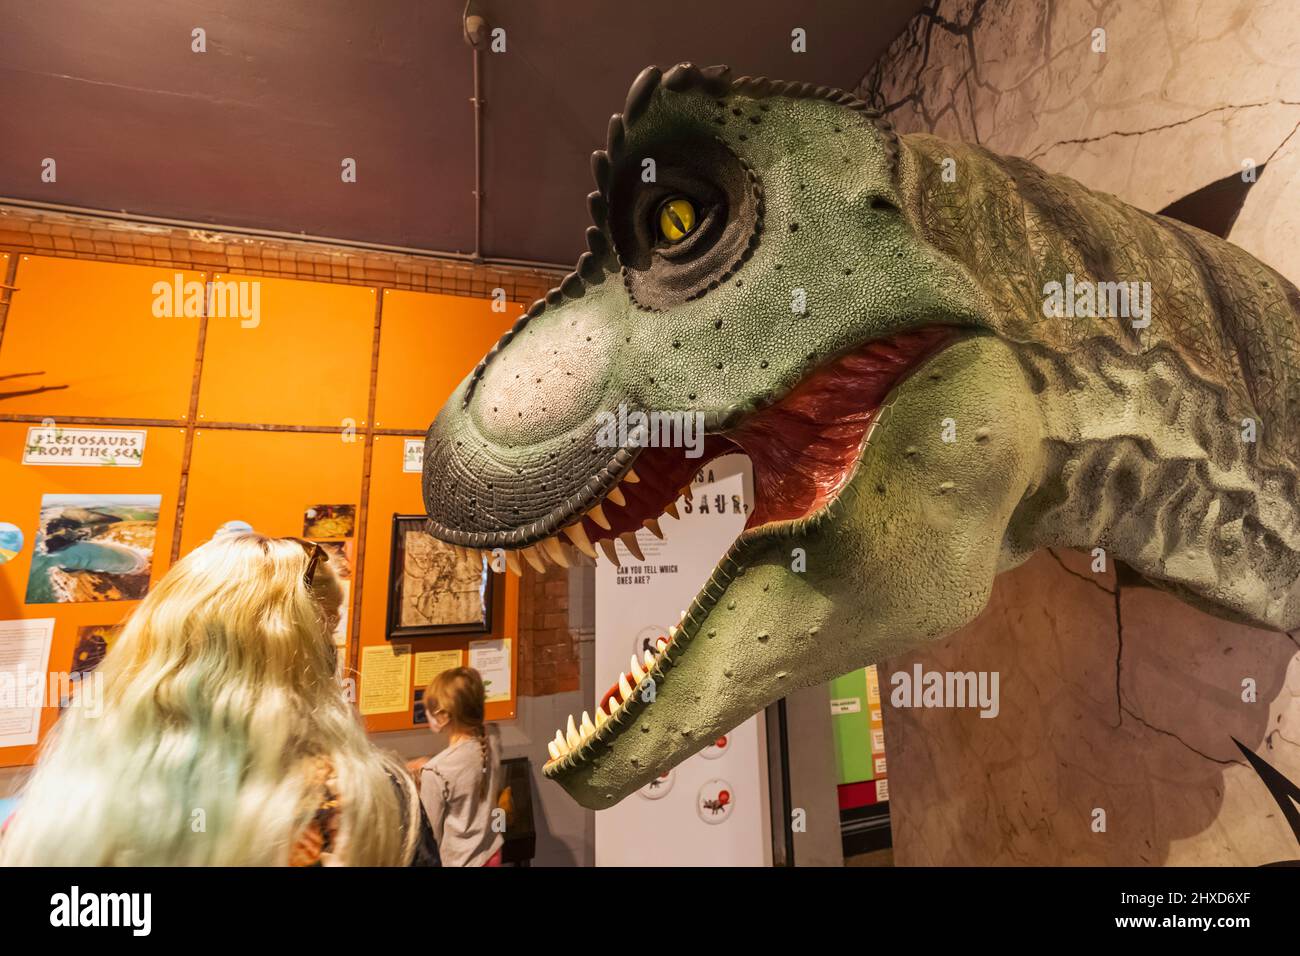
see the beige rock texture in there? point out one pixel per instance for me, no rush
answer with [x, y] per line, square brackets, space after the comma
[1183, 95]
[1114, 696]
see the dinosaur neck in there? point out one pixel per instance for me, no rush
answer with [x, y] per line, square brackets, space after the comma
[1144, 460]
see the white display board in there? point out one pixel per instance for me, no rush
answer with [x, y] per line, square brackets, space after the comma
[685, 819]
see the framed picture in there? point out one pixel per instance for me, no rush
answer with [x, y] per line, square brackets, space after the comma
[433, 590]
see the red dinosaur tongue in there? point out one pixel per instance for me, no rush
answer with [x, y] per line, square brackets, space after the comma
[804, 447]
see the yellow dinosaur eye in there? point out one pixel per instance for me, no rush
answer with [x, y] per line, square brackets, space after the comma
[676, 219]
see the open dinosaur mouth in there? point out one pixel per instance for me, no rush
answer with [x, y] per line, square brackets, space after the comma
[803, 448]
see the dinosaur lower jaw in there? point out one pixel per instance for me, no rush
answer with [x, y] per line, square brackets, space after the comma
[803, 449]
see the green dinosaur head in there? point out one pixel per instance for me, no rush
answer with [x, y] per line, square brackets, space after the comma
[750, 270]
[876, 322]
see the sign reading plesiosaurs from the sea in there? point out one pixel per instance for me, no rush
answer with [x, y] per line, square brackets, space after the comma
[87, 447]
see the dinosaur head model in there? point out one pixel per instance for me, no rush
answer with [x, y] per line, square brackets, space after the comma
[937, 360]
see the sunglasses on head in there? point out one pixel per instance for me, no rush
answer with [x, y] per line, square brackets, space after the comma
[314, 555]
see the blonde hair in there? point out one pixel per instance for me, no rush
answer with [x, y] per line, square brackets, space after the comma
[459, 693]
[220, 697]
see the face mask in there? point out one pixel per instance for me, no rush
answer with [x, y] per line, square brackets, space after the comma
[439, 722]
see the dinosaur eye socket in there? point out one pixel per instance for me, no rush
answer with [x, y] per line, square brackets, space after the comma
[680, 236]
[676, 219]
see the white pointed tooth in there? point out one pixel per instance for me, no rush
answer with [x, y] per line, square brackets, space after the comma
[624, 688]
[631, 477]
[534, 559]
[649, 660]
[682, 618]
[653, 525]
[661, 645]
[598, 516]
[553, 750]
[559, 744]
[588, 728]
[600, 715]
[637, 672]
[555, 551]
[672, 510]
[611, 552]
[580, 540]
[513, 563]
[616, 496]
[571, 736]
[614, 704]
[629, 541]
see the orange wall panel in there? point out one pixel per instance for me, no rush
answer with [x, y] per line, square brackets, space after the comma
[393, 491]
[427, 344]
[267, 479]
[91, 327]
[303, 359]
[306, 361]
[21, 489]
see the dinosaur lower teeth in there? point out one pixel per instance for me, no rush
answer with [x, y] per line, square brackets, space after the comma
[576, 733]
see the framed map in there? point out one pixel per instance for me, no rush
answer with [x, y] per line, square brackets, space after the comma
[432, 588]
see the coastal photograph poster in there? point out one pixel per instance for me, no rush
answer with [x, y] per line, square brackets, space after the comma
[93, 548]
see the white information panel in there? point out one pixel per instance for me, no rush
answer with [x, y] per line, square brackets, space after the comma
[712, 809]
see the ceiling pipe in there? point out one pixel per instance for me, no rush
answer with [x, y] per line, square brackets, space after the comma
[475, 30]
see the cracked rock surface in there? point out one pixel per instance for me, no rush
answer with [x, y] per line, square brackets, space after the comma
[1114, 696]
[1184, 94]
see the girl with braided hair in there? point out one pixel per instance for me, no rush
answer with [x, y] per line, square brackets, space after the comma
[459, 787]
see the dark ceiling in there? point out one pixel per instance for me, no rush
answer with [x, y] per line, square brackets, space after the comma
[252, 133]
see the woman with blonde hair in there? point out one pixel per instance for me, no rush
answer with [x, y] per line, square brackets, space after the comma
[224, 736]
[460, 786]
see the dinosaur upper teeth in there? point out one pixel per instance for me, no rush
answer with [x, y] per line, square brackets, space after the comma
[556, 548]
[580, 539]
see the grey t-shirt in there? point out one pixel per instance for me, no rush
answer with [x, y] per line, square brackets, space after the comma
[461, 818]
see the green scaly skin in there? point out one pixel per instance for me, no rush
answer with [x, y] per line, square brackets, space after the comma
[1083, 432]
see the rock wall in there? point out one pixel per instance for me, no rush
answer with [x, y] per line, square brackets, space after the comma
[1113, 696]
